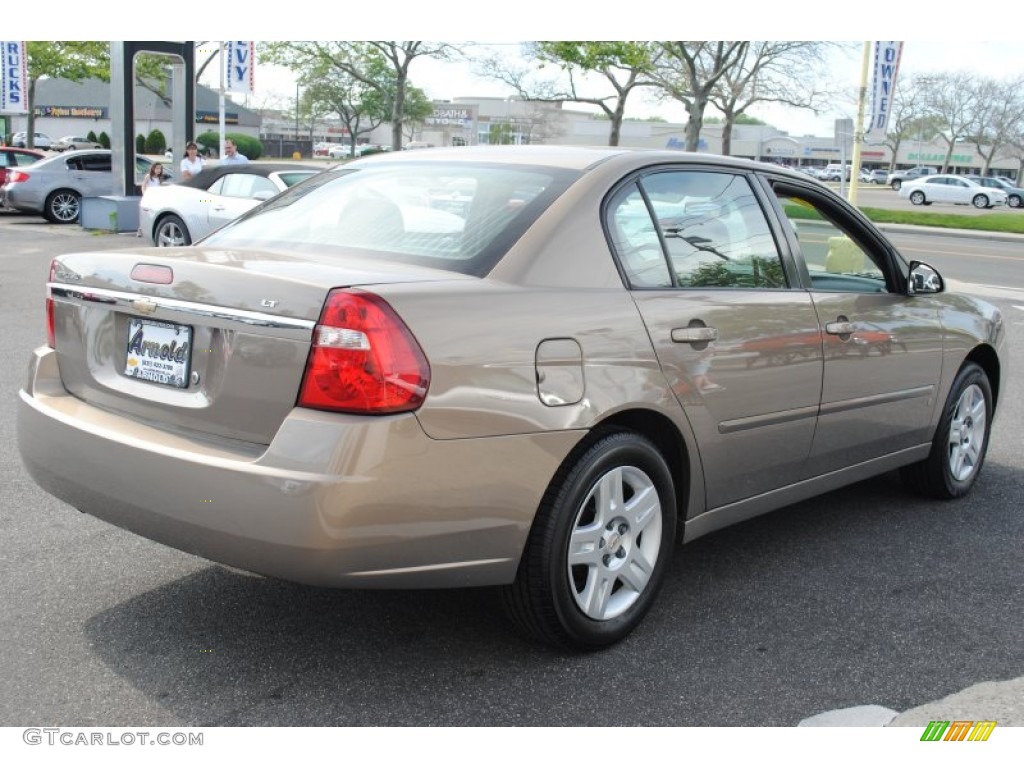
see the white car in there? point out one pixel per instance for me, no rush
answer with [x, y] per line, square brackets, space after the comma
[339, 151]
[947, 188]
[180, 214]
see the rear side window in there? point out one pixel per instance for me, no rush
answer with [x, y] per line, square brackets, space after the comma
[693, 229]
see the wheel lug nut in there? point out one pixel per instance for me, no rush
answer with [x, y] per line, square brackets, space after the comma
[606, 559]
[623, 528]
[621, 552]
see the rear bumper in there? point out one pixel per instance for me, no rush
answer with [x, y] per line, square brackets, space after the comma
[334, 500]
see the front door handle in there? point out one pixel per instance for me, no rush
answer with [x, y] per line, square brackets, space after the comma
[840, 328]
[694, 334]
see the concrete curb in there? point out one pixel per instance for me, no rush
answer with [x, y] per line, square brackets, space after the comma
[1002, 702]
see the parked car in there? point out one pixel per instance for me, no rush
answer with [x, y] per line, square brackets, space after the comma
[73, 143]
[54, 187]
[835, 172]
[947, 188]
[896, 179]
[1014, 194]
[15, 158]
[180, 214]
[347, 387]
[339, 151]
[41, 140]
[876, 176]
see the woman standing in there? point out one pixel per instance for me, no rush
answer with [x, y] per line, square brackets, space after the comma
[192, 163]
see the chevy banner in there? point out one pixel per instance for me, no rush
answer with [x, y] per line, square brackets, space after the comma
[887, 64]
[239, 66]
[14, 88]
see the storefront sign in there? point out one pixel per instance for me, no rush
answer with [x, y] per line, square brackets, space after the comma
[47, 110]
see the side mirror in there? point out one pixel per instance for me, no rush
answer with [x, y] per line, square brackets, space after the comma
[924, 279]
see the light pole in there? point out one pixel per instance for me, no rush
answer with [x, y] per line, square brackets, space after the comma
[297, 116]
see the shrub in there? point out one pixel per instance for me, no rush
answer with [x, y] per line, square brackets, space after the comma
[140, 144]
[247, 145]
[91, 136]
[103, 139]
[156, 142]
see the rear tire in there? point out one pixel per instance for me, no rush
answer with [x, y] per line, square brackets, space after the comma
[896, 185]
[63, 206]
[917, 198]
[599, 547]
[961, 440]
[171, 232]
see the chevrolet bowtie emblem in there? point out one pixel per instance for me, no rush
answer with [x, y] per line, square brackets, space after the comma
[145, 306]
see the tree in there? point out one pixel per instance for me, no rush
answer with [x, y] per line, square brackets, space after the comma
[380, 65]
[75, 61]
[997, 118]
[776, 71]
[332, 91]
[689, 72]
[623, 65]
[952, 97]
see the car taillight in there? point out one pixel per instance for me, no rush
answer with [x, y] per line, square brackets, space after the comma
[13, 177]
[51, 335]
[364, 359]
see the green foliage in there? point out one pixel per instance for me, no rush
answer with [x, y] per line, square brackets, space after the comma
[156, 142]
[595, 55]
[91, 136]
[140, 144]
[990, 222]
[103, 139]
[73, 60]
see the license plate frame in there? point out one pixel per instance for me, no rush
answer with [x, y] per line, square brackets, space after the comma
[159, 352]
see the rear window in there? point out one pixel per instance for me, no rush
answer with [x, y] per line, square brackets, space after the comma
[458, 217]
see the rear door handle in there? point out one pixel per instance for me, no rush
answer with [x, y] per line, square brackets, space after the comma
[694, 334]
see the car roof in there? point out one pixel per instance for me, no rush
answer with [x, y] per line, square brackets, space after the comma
[567, 157]
[208, 175]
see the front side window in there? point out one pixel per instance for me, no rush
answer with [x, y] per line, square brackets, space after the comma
[707, 228]
[834, 255]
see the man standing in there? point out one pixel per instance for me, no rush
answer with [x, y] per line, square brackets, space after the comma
[231, 154]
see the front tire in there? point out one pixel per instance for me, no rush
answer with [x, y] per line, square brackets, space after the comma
[1014, 201]
[171, 232]
[961, 440]
[896, 185]
[980, 201]
[62, 207]
[599, 547]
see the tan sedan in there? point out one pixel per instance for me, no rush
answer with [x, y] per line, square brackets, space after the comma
[543, 382]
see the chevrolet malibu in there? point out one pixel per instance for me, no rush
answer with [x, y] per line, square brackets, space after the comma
[600, 353]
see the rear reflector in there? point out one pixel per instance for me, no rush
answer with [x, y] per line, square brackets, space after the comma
[364, 359]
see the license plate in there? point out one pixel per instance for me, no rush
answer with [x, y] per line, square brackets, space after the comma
[159, 352]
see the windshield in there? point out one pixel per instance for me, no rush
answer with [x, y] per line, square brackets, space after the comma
[460, 217]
